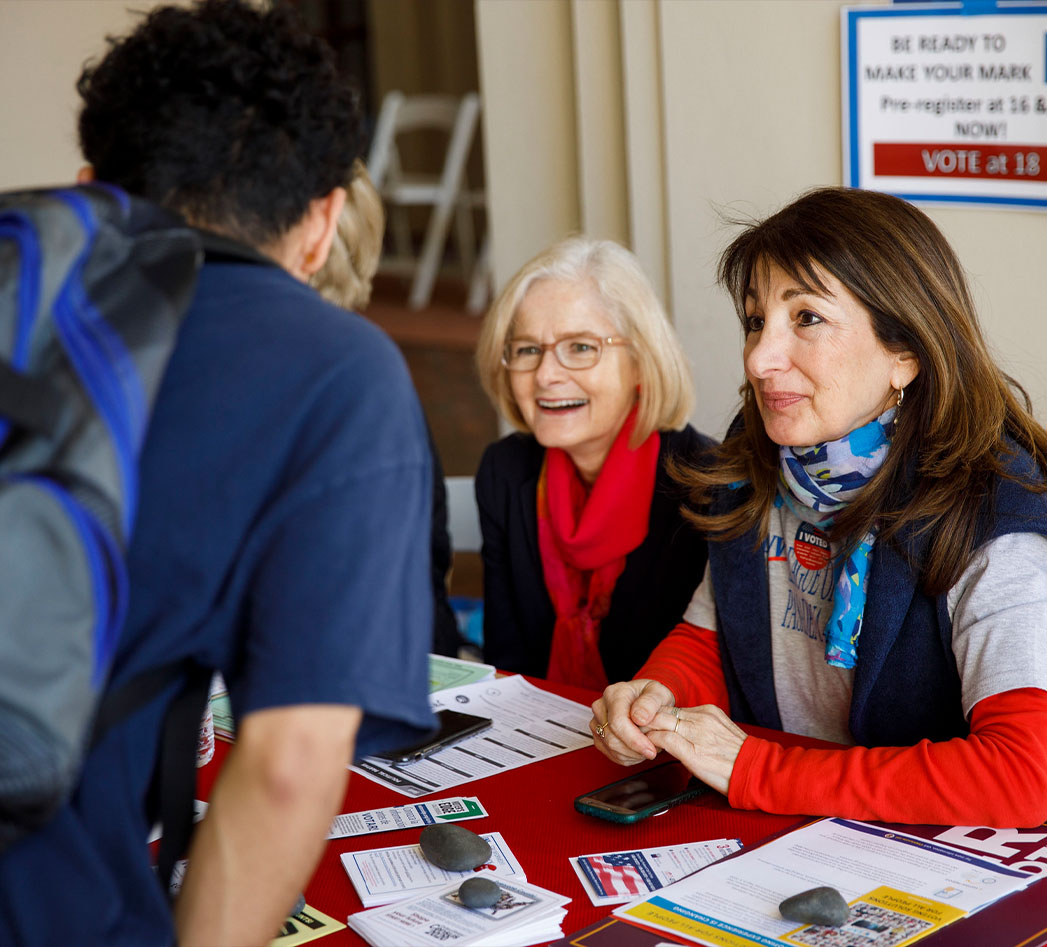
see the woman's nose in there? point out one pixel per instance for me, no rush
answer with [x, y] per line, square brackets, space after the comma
[766, 352]
[549, 368]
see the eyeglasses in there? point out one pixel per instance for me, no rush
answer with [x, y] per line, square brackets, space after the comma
[575, 353]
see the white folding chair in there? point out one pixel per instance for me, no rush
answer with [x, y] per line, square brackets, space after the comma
[463, 518]
[443, 190]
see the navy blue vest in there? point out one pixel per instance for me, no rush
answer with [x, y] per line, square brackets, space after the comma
[906, 686]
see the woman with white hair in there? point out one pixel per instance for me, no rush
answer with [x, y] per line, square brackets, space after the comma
[588, 562]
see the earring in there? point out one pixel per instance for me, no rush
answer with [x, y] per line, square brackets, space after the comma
[898, 405]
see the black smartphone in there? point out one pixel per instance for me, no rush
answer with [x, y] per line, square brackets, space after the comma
[454, 727]
[642, 794]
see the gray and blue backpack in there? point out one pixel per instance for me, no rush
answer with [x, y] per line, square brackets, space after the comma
[93, 287]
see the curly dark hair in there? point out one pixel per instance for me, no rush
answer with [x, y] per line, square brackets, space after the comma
[232, 115]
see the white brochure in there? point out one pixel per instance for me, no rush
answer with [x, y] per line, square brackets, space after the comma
[899, 887]
[415, 816]
[525, 914]
[528, 725]
[618, 877]
[384, 875]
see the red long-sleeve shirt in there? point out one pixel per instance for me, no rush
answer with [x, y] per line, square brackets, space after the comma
[995, 776]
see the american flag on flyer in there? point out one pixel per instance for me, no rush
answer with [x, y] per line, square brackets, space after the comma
[617, 877]
[615, 874]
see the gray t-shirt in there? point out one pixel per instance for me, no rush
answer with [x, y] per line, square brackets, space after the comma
[998, 610]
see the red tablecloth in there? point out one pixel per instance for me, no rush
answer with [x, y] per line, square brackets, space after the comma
[533, 808]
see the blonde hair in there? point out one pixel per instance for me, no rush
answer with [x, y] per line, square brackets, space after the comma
[626, 295]
[345, 279]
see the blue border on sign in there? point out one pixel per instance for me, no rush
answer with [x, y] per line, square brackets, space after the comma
[852, 174]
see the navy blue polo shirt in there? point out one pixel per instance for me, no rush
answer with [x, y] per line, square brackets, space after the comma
[282, 537]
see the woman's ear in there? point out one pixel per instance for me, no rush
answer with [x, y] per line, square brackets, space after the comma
[85, 175]
[321, 224]
[906, 368]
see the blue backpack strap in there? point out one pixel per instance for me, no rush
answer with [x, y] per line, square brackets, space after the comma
[175, 779]
[173, 786]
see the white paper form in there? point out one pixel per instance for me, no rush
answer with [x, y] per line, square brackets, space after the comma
[528, 725]
[415, 816]
[618, 877]
[525, 914]
[384, 875]
[899, 887]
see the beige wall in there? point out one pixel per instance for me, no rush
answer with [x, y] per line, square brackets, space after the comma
[745, 113]
[572, 126]
[43, 46]
[530, 147]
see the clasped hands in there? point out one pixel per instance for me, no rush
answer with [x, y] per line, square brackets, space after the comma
[635, 720]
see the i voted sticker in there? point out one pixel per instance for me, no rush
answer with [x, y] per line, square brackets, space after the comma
[811, 547]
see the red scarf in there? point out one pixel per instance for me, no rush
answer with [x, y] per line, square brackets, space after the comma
[583, 539]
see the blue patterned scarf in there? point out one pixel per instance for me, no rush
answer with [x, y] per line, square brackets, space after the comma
[823, 480]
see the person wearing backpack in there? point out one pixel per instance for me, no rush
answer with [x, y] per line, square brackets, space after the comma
[285, 490]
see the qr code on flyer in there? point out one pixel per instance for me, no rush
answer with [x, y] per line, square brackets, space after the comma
[451, 807]
[868, 925]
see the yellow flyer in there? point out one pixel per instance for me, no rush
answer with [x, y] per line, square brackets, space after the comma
[308, 924]
[884, 917]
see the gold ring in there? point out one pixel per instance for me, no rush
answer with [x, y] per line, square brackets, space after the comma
[677, 727]
[600, 729]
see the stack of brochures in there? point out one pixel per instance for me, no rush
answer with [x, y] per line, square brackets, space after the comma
[384, 875]
[525, 914]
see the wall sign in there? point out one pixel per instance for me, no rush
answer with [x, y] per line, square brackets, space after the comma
[947, 103]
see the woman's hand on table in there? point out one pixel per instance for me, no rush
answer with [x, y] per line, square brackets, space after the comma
[635, 720]
[703, 738]
[623, 715]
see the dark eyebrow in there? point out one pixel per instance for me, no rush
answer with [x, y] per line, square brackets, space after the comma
[804, 291]
[750, 293]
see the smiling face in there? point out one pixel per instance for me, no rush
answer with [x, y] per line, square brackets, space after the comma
[815, 364]
[580, 411]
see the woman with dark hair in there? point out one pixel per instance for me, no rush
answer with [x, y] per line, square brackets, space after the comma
[878, 543]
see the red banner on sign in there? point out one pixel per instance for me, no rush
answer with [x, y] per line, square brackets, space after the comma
[1005, 162]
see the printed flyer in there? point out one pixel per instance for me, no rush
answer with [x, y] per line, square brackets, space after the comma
[900, 888]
